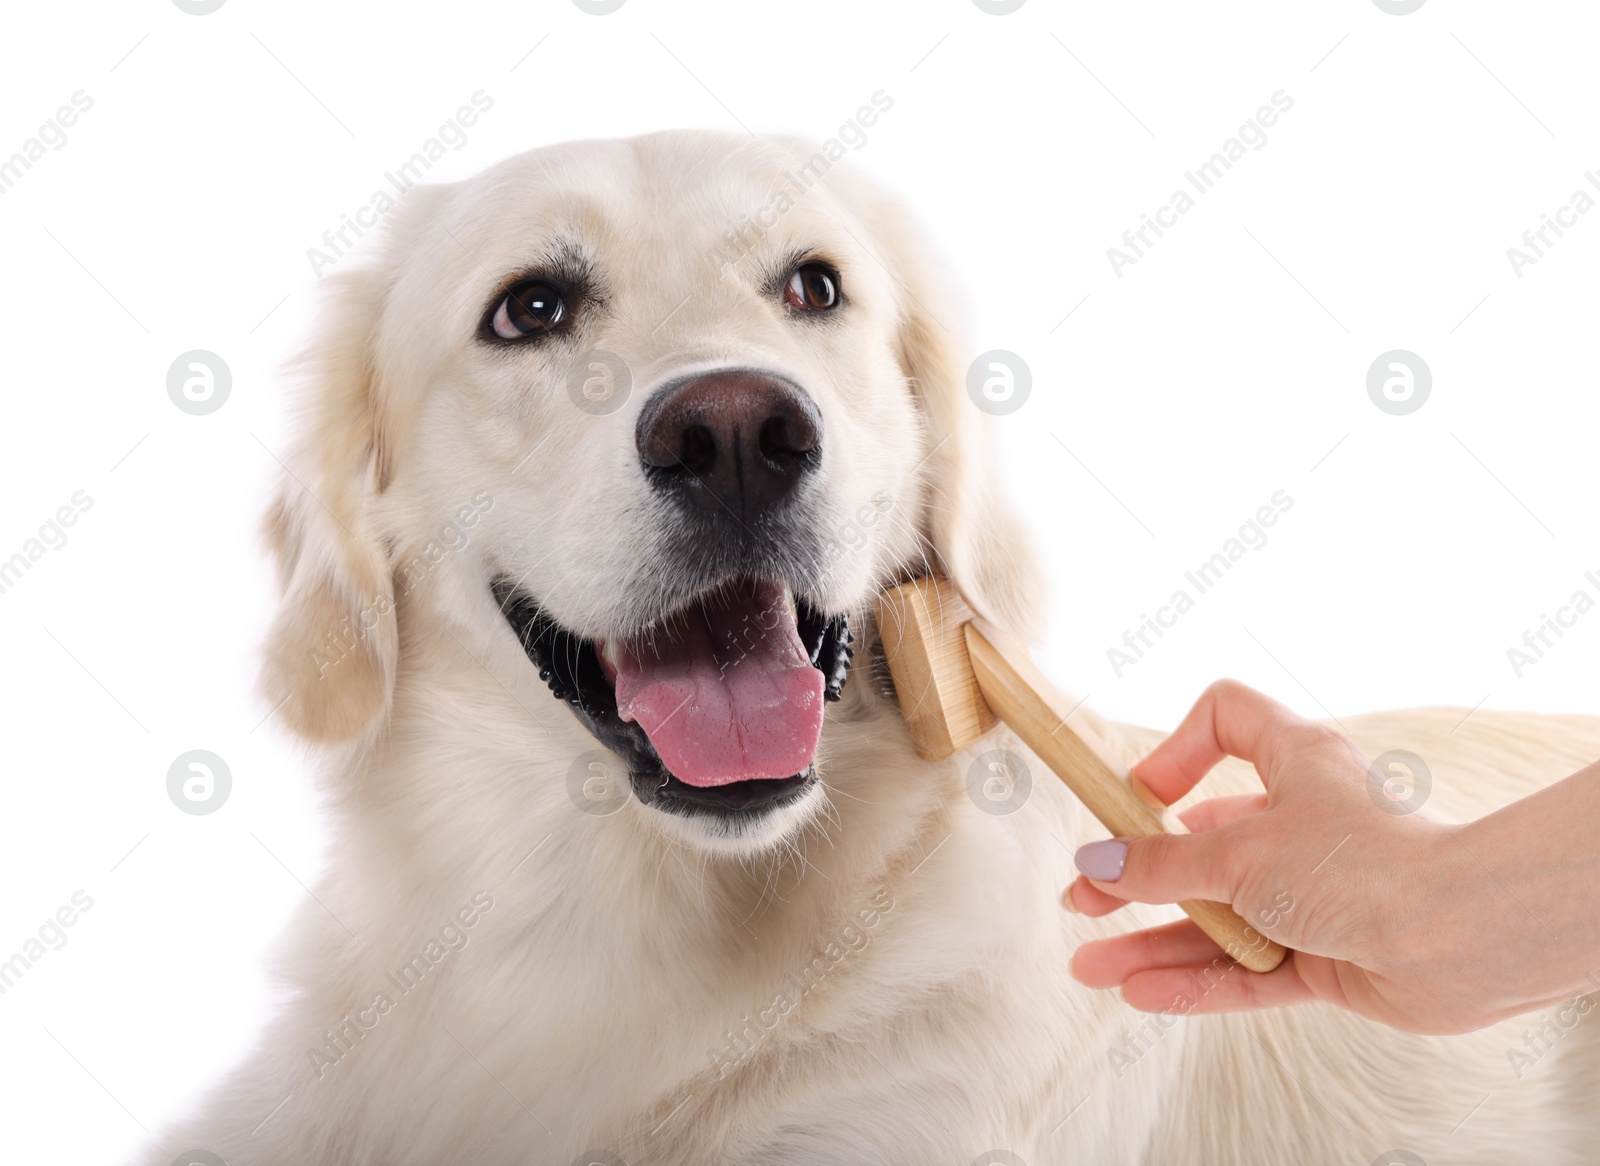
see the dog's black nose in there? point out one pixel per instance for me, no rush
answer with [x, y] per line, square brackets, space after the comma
[736, 442]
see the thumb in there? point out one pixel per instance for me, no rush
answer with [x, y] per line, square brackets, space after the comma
[1164, 868]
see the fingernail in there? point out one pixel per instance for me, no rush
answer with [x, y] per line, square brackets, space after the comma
[1102, 860]
[1066, 901]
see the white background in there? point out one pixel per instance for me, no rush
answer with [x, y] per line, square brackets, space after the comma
[1225, 365]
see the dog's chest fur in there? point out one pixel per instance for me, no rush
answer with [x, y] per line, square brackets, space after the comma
[894, 989]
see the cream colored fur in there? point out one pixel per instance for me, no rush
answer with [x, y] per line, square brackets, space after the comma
[591, 1006]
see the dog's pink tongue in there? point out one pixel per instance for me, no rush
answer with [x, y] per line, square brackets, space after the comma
[729, 697]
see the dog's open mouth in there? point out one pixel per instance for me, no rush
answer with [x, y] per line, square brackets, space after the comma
[716, 709]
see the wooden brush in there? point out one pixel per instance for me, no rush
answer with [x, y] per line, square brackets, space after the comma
[957, 676]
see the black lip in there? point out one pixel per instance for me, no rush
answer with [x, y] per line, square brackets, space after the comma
[738, 799]
[571, 667]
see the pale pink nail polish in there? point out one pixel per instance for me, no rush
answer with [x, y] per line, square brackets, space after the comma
[1102, 860]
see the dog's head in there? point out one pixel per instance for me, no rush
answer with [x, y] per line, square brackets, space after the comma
[698, 399]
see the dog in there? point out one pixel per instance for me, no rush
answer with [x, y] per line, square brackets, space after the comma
[608, 452]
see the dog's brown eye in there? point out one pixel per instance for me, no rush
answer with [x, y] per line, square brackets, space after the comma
[814, 287]
[528, 309]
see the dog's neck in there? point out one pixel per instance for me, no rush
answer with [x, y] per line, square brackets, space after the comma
[476, 739]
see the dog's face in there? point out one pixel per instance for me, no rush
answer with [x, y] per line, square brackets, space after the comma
[698, 398]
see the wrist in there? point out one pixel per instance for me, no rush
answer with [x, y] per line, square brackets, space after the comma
[1437, 906]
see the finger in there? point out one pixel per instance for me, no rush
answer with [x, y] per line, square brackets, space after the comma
[1084, 897]
[1177, 968]
[1168, 868]
[1229, 719]
[1216, 986]
[1215, 812]
[1087, 899]
[1107, 963]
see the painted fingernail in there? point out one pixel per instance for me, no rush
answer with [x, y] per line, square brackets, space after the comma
[1102, 860]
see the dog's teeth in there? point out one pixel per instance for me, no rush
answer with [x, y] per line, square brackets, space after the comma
[611, 651]
[789, 603]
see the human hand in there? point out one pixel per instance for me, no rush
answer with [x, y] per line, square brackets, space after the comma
[1395, 930]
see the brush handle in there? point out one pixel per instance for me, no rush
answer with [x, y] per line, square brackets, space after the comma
[1025, 700]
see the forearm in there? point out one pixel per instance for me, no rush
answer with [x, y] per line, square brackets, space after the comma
[1531, 915]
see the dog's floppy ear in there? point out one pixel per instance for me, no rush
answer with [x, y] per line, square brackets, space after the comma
[980, 543]
[331, 653]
